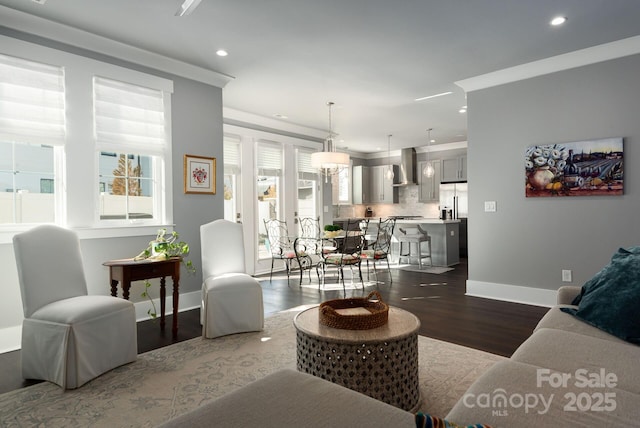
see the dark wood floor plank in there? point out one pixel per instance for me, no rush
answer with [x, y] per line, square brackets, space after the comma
[439, 301]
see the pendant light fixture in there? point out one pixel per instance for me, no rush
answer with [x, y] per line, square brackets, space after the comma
[428, 170]
[329, 161]
[389, 173]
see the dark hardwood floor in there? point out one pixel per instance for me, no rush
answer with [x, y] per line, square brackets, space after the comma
[438, 301]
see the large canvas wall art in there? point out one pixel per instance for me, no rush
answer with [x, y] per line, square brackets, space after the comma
[580, 168]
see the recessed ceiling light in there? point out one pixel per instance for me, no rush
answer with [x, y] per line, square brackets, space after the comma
[39, 1]
[187, 7]
[222, 52]
[433, 96]
[433, 141]
[558, 20]
[281, 116]
[463, 110]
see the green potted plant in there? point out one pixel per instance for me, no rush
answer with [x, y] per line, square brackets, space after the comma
[332, 230]
[164, 247]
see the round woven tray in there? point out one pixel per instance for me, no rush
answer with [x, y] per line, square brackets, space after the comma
[378, 313]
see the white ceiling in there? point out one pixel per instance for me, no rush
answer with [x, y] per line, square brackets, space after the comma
[371, 57]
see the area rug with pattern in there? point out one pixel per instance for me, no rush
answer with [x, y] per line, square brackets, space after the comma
[169, 381]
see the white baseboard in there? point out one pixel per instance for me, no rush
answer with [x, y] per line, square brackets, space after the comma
[10, 337]
[187, 302]
[512, 293]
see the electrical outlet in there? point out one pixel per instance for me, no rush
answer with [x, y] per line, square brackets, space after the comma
[489, 206]
[566, 275]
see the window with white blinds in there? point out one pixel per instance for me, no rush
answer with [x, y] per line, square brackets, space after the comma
[32, 133]
[131, 140]
[129, 118]
[47, 175]
[305, 170]
[31, 102]
[231, 154]
[269, 159]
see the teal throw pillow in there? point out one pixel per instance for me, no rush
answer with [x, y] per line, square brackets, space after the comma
[610, 300]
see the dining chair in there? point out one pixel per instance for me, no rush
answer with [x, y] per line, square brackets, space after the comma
[309, 227]
[231, 299]
[279, 244]
[68, 336]
[307, 245]
[380, 248]
[344, 253]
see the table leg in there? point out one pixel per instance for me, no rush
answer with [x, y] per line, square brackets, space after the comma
[176, 296]
[126, 285]
[163, 295]
[114, 288]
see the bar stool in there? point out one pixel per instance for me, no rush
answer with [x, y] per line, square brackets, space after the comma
[414, 237]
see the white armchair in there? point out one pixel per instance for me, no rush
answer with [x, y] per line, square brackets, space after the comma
[231, 299]
[68, 337]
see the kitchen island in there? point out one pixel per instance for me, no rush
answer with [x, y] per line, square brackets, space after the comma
[445, 243]
[445, 237]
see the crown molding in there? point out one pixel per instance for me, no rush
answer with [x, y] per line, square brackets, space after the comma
[579, 58]
[31, 24]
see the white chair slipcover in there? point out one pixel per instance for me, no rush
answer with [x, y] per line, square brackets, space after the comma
[68, 337]
[231, 299]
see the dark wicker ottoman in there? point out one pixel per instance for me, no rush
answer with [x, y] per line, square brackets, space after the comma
[381, 362]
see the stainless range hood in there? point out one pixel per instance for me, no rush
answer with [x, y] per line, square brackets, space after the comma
[407, 168]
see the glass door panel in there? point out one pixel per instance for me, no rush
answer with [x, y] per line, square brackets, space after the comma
[232, 179]
[269, 191]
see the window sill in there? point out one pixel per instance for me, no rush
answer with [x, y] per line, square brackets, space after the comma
[100, 232]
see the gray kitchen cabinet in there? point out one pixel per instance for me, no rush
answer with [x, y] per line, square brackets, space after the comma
[361, 184]
[371, 187]
[429, 186]
[454, 169]
[382, 190]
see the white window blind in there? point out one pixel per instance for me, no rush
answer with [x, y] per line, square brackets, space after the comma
[305, 170]
[128, 118]
[31, 102]
[269, 159]
[231, 153]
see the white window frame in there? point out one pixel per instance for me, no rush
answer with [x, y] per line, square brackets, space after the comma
[79, 160]
[54, 135]
[158, 156]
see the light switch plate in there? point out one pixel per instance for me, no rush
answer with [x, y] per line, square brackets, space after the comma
[489, 206]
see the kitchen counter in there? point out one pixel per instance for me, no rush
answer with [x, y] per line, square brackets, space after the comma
[412, 220]
[426, 221]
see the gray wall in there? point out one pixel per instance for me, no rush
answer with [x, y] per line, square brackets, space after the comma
[528, 241]
[197, 130]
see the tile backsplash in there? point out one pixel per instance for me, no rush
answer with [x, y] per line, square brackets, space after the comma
[409, 206]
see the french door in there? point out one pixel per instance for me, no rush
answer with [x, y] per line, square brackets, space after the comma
[267, 176]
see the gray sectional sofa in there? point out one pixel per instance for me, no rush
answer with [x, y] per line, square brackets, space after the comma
[571, 373]
[567, 373]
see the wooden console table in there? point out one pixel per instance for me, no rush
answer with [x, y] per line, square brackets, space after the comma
[127, 270]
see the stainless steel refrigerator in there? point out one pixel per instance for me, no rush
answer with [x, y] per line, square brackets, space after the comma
[454, 198]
